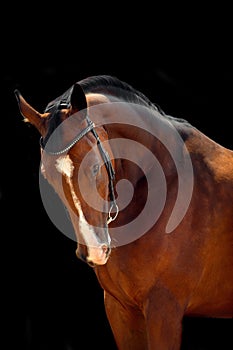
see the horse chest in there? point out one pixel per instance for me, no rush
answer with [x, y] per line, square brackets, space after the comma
[124, 285]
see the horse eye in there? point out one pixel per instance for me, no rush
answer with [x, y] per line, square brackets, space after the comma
[95, 169]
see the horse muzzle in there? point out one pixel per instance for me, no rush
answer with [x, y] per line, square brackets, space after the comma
[94, 255]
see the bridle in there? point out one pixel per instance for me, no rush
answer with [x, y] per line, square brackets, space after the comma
[108, 164]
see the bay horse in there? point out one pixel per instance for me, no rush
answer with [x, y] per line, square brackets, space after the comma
[150, 198]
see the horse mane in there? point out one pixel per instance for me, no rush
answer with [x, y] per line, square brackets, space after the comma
[107, 85]
[113, 86]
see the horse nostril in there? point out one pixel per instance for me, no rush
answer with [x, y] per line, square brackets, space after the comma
[105, 249]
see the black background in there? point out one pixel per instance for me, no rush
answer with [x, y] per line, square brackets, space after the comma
[181, 58]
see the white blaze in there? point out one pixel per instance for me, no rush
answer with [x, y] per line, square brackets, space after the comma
[65, 166]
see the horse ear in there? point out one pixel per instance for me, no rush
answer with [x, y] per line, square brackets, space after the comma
[78, 98]
[29, 113]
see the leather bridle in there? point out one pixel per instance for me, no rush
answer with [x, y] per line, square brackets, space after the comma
[108, 164]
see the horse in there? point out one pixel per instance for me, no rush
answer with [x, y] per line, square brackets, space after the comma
[150, 199]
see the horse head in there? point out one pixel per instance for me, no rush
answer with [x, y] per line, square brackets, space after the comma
[74, 161]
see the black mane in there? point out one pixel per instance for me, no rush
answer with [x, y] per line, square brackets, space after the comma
[113, 86]
[107, 85]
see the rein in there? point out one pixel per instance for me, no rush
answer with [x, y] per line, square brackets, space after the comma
[103, 153]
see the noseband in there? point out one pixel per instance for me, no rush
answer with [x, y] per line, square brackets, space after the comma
[103, 153]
